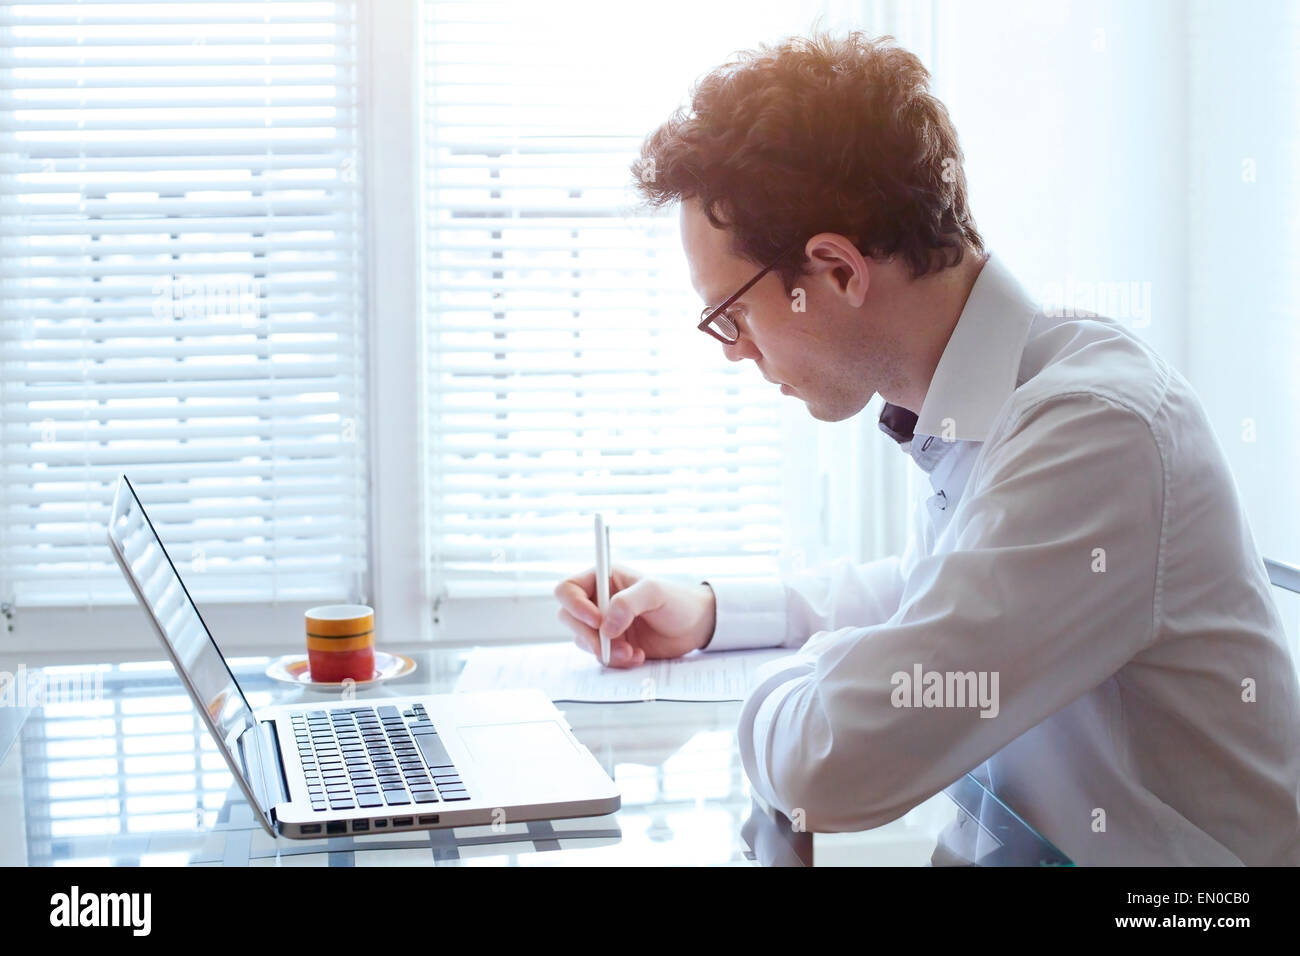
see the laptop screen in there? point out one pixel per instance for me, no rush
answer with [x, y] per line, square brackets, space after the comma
[202, 668]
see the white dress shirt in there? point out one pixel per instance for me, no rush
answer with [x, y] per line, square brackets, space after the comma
[1080, 544]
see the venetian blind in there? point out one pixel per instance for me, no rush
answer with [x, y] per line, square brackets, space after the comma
[181, 294]
[564, 373]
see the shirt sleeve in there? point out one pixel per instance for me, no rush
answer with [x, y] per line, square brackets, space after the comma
[1050, 586]
[775, 612]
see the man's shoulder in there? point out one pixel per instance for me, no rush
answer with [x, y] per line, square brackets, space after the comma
[1090, 362]
[1087, 420]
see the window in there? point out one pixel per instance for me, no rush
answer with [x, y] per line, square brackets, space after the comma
[359, 296]
[180, 255]
[564, 372]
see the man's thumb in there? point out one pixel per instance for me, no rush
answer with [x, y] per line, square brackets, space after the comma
[626, 605]
[616, 621]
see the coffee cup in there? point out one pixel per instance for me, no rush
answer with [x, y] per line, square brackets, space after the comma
[341, 643]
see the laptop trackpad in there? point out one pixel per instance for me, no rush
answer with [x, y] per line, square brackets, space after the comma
[535, 755]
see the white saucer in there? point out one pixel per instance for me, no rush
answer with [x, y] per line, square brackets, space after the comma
[293, 669]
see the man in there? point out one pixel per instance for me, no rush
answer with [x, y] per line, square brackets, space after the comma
[1080, 616]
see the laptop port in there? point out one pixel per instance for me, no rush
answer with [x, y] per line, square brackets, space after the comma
[336, 826]
[311, 828]
[380, 824]
[360, 826]
[432, 819]
[402, 821]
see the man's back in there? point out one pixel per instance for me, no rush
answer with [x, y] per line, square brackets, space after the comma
[1197, 737]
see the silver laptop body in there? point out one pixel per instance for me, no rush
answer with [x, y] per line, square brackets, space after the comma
[356, 766]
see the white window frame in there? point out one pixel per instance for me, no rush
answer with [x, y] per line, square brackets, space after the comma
[390, 62]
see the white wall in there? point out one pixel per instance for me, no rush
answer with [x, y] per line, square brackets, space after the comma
[1243, 318]
[1072, 117]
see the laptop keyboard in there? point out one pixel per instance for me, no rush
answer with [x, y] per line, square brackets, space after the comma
[373, 757]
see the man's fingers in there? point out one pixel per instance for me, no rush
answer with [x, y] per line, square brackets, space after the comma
[621, 652]
[620, 577]
[584, 583]
[638, 655]
[583, 635]
[630, 603]
[577, 601]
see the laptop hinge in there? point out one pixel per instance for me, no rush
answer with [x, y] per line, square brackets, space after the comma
[259, 757]
[279, 777]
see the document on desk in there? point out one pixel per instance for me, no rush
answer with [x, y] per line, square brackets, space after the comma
[563, 672]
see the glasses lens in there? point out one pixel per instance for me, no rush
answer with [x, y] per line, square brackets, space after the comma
[725, 327]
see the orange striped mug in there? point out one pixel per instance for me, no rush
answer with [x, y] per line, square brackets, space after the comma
[341, 643]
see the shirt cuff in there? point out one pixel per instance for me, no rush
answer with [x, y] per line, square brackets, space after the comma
[773, 683]
[750, 613]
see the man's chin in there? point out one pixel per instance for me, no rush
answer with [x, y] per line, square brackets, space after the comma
[824, 412]
[821, 412]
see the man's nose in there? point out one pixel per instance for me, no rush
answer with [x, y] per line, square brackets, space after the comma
[738, 350]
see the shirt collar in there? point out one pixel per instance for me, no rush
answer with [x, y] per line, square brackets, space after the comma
[978, 369]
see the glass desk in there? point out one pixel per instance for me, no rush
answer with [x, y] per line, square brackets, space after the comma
[131, 777]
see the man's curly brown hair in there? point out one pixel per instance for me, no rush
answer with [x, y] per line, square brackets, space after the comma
[818, 134]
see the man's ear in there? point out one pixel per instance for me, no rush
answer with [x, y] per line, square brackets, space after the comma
[836, 257]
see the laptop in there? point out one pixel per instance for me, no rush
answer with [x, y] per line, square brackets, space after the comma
[354, 766]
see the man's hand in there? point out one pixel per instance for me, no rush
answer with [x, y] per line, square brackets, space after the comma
[647, 617]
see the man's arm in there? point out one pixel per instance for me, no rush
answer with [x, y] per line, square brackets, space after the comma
[774, 612]
[1019, 596]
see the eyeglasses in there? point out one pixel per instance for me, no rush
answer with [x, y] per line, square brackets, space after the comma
[721, 326]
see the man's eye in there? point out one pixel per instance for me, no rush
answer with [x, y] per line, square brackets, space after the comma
[727, 322]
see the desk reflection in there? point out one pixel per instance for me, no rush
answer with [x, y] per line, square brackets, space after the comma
[134, 779]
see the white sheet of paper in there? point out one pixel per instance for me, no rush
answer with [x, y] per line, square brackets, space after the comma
[563, 672]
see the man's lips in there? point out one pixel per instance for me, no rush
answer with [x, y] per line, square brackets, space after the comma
[785, 389]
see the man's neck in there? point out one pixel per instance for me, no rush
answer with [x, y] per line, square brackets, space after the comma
[931, 316]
